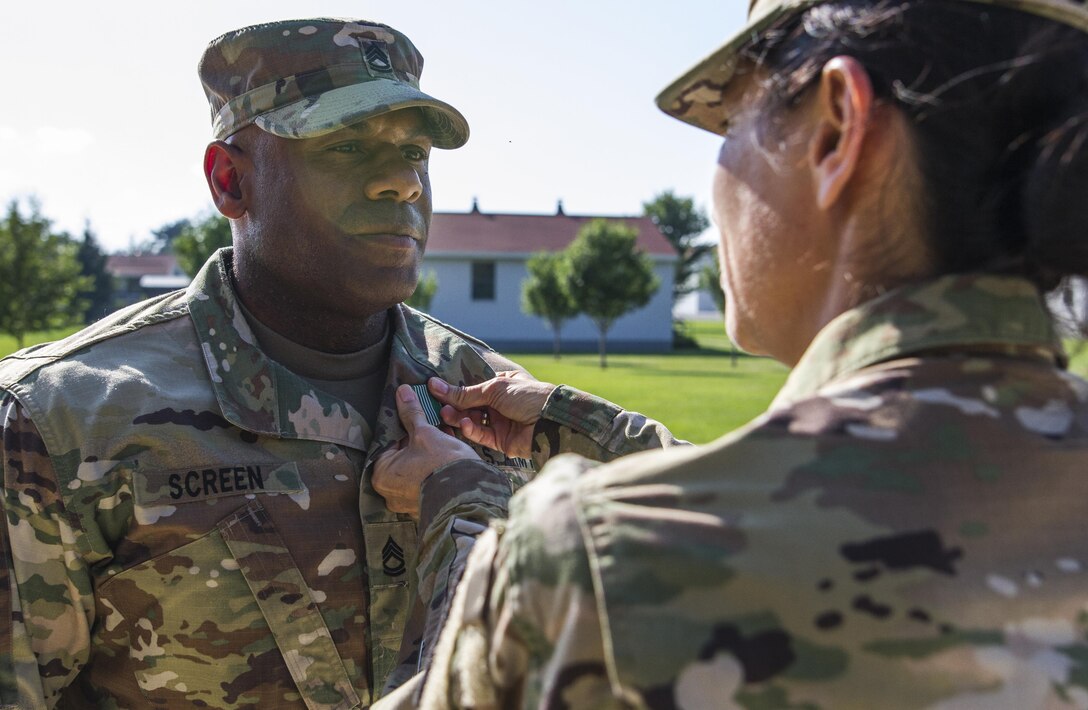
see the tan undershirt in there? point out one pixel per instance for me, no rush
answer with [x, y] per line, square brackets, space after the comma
[358, 378]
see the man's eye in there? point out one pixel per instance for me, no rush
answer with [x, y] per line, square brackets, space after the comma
[414, 153]
[345, 148]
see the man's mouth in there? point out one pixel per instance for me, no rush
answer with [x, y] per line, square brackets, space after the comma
[403, 240]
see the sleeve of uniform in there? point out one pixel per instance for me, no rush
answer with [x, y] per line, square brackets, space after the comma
[576, 422]
[46, 601]
[500, 363]
[457, 502]
[524, 630]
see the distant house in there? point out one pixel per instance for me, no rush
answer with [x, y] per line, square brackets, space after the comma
[140, 276]
[699, 303]
[696, 305]
[479, 261]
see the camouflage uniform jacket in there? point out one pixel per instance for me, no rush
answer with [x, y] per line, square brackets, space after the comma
[189, 524]
[906, 527]
[570, 422]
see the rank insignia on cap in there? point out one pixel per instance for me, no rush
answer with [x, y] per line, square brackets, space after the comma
[377, 58]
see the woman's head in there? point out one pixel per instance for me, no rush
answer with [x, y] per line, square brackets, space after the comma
[997, 101]
[803, 200]
[993, 171]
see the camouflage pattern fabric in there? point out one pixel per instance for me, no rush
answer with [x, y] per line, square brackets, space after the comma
[189, 524]
[696, 97]
[570, 422]
[306, 78]
[574, 422]
[905, 528]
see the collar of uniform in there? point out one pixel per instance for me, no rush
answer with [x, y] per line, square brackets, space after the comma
[422, 348]
[259, 395]
[951, 311]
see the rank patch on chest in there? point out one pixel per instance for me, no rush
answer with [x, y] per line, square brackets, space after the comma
[393, 558]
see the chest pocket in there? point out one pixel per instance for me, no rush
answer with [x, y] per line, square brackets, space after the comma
[226, 620]
[289, 609]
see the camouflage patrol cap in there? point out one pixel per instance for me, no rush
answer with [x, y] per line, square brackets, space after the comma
[695, 97]
[306, 78]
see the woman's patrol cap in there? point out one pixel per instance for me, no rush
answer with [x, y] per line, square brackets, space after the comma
[695, 97]
[306, 78]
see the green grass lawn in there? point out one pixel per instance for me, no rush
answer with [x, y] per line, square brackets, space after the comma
[1078, 356]
[698, 394]
[8, 344]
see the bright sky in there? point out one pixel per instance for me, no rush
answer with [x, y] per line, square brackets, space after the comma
[104, 118]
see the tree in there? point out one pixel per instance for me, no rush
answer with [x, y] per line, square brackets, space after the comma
[40, 278]
[710, 278]
[162, 239]
[608, 276]
[681, 223]
[545, 293]
[98, 294]
[198, 240]
[423, 295]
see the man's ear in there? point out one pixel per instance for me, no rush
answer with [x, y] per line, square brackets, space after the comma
[224, 166]
[843, 111]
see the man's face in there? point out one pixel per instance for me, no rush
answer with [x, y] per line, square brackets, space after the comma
[339, 222]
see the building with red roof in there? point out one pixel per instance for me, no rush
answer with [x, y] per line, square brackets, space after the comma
[479, 261]
[140, 276]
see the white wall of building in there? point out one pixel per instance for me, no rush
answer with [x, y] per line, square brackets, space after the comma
[696, 305]
[503, 325]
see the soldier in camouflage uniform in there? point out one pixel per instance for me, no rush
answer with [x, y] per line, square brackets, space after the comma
[906, 526]
[190, 519]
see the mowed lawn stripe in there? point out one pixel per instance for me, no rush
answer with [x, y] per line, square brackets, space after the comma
[699, 395]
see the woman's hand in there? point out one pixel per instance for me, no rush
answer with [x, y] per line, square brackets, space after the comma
[399, 473]
[499, 414]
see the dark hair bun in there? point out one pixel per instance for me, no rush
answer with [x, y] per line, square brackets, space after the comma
[1055, 200]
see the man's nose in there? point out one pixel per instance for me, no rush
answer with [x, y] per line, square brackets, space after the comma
[395, 178]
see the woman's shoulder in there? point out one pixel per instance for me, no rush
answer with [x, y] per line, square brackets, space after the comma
[885, 426]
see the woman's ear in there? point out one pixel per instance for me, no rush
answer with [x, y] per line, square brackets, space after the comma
[843, 112]
[224, 166]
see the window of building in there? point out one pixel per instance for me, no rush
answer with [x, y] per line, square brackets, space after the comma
[483, 281]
